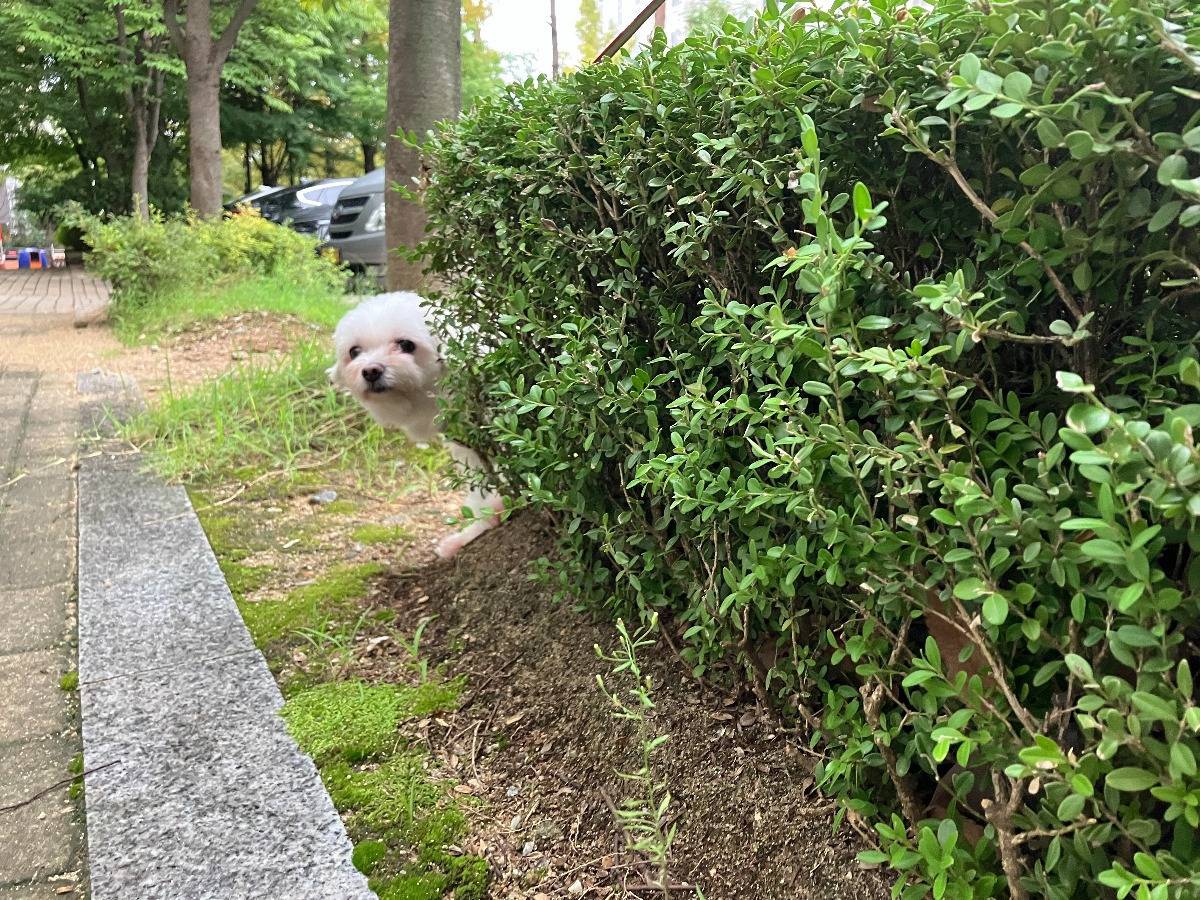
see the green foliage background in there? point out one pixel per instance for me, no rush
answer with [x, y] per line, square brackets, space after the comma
[860, 346]
[303, 95]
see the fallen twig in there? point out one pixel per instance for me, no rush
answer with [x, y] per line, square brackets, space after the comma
[57, 784]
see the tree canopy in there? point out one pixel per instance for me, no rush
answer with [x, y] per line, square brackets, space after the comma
[302, 95]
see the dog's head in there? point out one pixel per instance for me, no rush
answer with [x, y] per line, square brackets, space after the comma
[386, 356]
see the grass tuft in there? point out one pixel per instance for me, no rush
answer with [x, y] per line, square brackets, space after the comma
[275, 420]
[174, 310]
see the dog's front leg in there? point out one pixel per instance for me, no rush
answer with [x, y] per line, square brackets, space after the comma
[487, 506]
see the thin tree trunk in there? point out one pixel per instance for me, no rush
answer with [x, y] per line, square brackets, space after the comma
[204, 57]
[554, 38]
[143, 101]
[139, 179]
[248, 168]
[424, 87]
[368, 152]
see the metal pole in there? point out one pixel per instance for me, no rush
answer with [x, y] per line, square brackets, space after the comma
[630, 30]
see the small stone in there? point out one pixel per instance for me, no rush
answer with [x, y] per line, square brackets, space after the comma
[529, 847]
[320, 498]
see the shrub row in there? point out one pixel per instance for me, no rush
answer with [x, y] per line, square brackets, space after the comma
[860, 346]
[144, 258]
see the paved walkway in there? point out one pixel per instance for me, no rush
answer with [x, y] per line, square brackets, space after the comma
[68, 291]
[41, 841]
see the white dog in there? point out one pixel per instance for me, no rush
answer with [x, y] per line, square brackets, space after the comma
[390, 361]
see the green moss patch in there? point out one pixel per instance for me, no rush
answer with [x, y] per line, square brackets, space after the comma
[349, 719]
[356, 721]
[367, 855]
[309, 607]
[243, 579]
[380, 534]
[402, 819]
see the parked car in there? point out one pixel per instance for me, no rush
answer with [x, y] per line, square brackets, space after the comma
[356, 225]
[253, 198]
[307, 210]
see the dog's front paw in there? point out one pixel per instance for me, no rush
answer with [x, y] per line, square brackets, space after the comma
[448, 547]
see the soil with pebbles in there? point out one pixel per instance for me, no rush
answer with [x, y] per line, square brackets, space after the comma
[537, 741]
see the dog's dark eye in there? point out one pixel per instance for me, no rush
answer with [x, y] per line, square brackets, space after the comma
[406, 346]
[354, 351]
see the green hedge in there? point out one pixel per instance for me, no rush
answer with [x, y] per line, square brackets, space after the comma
[142, 259]
[861, 346]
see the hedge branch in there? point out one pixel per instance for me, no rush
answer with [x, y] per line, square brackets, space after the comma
[989, 214]
[1000, 814]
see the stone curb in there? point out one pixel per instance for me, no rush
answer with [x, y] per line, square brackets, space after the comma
[194, 788]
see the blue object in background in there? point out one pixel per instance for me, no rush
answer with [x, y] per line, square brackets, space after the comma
[22, 259]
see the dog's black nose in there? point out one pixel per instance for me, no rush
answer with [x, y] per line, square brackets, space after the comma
[372, 374]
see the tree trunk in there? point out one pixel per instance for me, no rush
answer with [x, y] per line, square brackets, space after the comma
[204, 57]
[248, 169]
[368, 151]
[424, 87]
[204, 142]
[554, 38]
[139, 178]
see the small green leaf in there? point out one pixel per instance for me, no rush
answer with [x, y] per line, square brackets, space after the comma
[862, 201]
[1164, 216]
[1080, 144]
[1082, 276]
[1189, 372]
[1082, 785]
[1049, 134]
[1087, 418]
[995, 609]
[1130, 779]
[874, 323]
[1155, 707]
[1007, 110]
[969, 589]
[1174, 166]
[1017, 85]
[1072, 383]
[1070, 808]
[968, 68]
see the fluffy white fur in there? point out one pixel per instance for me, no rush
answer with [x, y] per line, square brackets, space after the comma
[391, 362]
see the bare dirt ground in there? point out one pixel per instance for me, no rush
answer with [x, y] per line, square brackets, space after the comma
[536, 740]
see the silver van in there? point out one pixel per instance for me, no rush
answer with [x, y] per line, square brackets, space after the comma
[356, 225]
